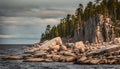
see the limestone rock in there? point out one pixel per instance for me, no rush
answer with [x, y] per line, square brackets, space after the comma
[95, 61]
[80, 45]
[82, 59]
[52, 42]
[62, 59]
[49, 56]
[39, 54]
[68, 54]
[31, 50]
[106, 49]
[69, 59]
[63, 47]
[56, 47]
[56, 57]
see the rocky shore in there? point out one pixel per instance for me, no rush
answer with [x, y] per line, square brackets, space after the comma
[55, 50]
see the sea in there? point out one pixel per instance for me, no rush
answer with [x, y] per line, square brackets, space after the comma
[28, 33]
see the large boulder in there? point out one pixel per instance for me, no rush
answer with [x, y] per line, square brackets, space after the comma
[46, 45]
[51, 43]
[80, 45]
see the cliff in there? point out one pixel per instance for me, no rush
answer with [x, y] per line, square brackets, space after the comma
[95, 30]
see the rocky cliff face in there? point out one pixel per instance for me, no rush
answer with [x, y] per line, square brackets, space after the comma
[95, 30]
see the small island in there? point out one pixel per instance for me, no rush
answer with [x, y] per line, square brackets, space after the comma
[90, 36]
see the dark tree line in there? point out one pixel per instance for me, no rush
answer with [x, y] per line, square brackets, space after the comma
[109, 8]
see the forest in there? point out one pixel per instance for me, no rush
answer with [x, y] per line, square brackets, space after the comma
[67, 25]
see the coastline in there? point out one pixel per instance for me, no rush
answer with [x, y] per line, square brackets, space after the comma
[18, 64]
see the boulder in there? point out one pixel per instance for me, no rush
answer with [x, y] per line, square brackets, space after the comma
[48, 60]
[116, 41]
[69, 59]
[12, 57]
[63, 47]
[31, 50]
[68, 54]
[48, 56]
[34, 60]
[107, 49]
[62, 59]
[53, 42]
[95, 61]
[37, 45]
[39, 54]
[56, 58]
[56, 47]
[82, 59]
[80, 45]
[45, 46]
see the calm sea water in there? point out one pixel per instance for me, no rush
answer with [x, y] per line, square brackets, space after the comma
[21, 33]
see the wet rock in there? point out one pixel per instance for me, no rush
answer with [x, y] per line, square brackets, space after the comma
[12, 57]
[34, 60]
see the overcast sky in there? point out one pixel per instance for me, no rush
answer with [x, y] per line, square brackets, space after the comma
[24, 11]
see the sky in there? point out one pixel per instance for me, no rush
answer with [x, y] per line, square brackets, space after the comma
[20, 18]
[12, 11]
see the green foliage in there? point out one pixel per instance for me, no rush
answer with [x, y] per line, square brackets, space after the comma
[109, 8]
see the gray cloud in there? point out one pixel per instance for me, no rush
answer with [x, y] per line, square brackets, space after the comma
[35, 12]
[40, 3]
[38, 8]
